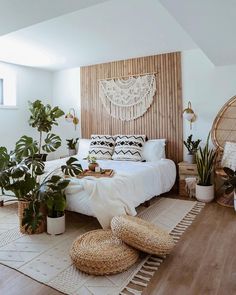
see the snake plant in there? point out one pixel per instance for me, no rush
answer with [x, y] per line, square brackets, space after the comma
[205, 163]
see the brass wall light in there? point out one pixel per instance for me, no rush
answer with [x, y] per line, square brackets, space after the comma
[72, 118]
[189, 114]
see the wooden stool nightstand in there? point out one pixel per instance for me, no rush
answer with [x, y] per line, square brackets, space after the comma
[185, 170]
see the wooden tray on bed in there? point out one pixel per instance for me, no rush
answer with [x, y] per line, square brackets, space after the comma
[104, 173]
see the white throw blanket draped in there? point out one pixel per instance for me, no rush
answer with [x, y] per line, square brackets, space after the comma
[132, 184]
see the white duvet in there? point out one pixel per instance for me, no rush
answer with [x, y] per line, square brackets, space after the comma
[132, 184]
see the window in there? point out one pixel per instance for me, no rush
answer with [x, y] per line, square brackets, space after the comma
[1, 91]
[7, 87]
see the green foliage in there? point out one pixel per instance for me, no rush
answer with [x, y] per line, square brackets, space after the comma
[26, 147]
[191, 145]
[230, 181]
[52, 143]
[72, 168]
[21, 177]
[43, 117]
[71, 143]
[91, 159]
[205, 163]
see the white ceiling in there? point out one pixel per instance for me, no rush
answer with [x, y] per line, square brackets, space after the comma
[211, 24]
[59, 34]
[18, 14]
[112, 30]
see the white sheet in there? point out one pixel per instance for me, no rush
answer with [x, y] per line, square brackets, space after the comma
[132, 184]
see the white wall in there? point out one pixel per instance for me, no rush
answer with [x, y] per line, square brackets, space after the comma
[66, 94]
[31, 84]
[207, 87]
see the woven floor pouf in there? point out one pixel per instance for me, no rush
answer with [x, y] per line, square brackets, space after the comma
[99, 252]
[142, 235]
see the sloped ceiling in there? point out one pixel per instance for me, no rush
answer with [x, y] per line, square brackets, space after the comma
[211, 24]
[112, 30]
[18, 14]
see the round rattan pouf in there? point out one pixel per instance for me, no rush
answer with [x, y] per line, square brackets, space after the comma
[99, 252]
[142, 235]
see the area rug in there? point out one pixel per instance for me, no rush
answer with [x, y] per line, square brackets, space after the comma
[46, 258]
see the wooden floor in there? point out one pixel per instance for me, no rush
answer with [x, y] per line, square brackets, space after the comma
[203, 262]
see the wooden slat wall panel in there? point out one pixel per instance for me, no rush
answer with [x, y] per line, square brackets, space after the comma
[162, 120]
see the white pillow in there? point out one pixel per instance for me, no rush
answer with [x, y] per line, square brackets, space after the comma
[83, 150]
[229, 155]
[154, 150]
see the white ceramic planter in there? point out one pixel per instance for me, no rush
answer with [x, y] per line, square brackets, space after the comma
[71, 152]
[190, 158]
[56, 226]
[205, 193]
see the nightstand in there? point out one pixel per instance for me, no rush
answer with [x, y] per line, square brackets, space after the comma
[185, 170]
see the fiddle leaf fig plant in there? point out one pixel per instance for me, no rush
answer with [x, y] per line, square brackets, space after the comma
[43, 118]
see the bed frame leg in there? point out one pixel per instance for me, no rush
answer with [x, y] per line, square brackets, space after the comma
[147, 204]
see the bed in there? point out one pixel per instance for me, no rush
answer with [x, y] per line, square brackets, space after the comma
[132, 184]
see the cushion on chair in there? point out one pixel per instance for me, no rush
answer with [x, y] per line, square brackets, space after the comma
[142, 235]
[229, 155]
[99, 252]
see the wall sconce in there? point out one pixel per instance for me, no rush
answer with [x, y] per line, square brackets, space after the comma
[189, 114]
[72, 118]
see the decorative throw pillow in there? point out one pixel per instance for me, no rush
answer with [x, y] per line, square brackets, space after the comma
[229, 155]
[154, 150]
[129, 147]
[102, 147]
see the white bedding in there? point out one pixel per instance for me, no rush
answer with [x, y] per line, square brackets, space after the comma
[132, 184]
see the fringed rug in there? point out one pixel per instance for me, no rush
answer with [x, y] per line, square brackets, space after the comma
[46, 258]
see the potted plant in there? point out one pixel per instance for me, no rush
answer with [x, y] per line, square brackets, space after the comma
[56, 200]
[205, 163]
[43, 117]
[92, 163]
[22, 175]
[192, 147]
[71, 144]
[230, 183]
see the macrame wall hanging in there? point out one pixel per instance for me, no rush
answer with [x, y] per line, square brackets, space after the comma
[127, 99]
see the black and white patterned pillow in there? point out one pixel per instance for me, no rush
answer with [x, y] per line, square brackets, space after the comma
[102, 147]
[129, 147]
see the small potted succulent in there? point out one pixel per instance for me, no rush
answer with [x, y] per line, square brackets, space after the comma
[192, 147]
[230, 183]
[205, 163]
[71, 144]
[92, 163]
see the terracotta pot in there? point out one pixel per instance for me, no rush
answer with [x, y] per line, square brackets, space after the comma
[92, 166]
[204, 193]
[22, 205]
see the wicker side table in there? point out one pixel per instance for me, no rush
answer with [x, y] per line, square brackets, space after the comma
[185, 170]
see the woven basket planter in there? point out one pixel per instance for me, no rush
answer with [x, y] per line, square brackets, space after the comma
[42, 226]
[142, 235]
[98, 252]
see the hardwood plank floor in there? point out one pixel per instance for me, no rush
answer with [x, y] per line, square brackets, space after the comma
[203, 262]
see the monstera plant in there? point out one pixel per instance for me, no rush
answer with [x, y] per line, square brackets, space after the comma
[23, 174]
[43, 117]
